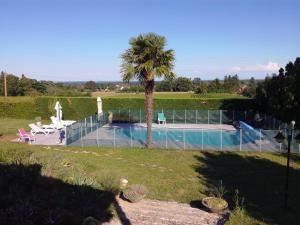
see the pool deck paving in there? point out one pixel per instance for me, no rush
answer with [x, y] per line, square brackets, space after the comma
[225, 127]
[43, 139]
[152, 212]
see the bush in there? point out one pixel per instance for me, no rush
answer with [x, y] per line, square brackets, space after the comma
[77, 108]
[110, 183]
[135, 193]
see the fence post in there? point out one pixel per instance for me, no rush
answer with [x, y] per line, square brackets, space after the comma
[280, 147]
[221, 113]
[202, 139]
[129, 115]
[173, 115]
[85, 125]
[91, 120]
[183, 139]
[97, 134]
[207, 116]
[166, 132]
[299, 148]
[66, 135]
[221, 141]
[185, 116]
[130, 137]
[81, 136]
[260, 140]
[241, 139]
[196, 116]
[114, 137]
[140, 116]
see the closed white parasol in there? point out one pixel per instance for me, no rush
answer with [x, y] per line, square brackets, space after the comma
[99, 106]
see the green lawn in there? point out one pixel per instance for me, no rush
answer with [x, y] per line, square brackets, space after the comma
[11, 126]
[183, 176]
[30, 174]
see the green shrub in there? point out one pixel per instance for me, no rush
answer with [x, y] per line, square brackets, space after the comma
[77, 108]
[239, 216]
[110, 183]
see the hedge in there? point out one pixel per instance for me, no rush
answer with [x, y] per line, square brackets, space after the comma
[80, 107]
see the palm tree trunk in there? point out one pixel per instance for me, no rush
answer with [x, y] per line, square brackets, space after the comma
[149, 86]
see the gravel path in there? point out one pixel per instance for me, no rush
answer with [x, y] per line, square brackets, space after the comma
[151, 212]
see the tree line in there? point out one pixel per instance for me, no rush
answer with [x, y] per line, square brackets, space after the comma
[24, 86]
[279, 94]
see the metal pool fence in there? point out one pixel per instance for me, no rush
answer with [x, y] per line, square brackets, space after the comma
[128, 130]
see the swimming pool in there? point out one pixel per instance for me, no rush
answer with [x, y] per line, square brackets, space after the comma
[198, 138]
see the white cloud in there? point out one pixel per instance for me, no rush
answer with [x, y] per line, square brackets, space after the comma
[268, 67]
[236, 68]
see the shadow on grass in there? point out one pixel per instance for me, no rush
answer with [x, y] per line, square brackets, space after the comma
[260, 181]
[29, 198]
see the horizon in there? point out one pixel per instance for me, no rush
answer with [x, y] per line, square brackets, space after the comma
[81, 41]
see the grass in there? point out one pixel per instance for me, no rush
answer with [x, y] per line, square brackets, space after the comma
[182, 176]
[11, 125]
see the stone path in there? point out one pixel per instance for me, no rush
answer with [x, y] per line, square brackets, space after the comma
[151, 212]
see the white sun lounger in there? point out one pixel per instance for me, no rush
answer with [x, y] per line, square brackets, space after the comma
[62, 122]
[37, 130]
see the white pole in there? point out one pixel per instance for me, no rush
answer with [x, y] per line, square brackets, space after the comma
[221, 117]
[299, 148]
[129, 115]
[207, 116]
[260, 140]
[241, 139]
[185, 116]
[196, 116]
[202, 138]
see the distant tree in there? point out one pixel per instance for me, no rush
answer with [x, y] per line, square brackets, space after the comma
[164, 85]
[231, 83]
[201, 89]
[90, 85]
[250, 90]
[215, 86]
[145, 60]
[280, 95]
[183, 84]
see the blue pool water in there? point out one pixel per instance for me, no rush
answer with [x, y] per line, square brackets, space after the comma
[212, 138]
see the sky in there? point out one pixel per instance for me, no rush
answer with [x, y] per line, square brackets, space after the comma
[74, 40]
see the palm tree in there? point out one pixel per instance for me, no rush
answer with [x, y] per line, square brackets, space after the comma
[145, 60]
